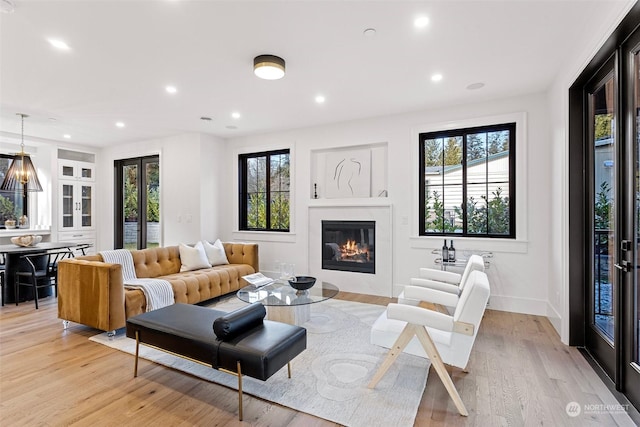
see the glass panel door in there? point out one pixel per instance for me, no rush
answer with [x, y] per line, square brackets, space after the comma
[602, 291]
[131, 235]
[152, 175]
[602, 103]
[137, 203]
[85, 201]
[630, 250]
[67, 206]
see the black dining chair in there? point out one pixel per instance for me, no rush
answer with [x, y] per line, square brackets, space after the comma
[39, 270]
[82, 248]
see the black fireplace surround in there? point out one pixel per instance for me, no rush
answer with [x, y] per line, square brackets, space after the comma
[349, 246]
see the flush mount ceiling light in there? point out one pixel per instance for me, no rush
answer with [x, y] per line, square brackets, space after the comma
[21, 174]
[268, 67]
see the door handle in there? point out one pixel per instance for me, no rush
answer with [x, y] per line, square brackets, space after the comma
[625, 267]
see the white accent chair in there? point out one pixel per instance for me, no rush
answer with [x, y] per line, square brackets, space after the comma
[445, 281]
[427, 333]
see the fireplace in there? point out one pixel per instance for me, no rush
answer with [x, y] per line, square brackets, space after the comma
[349, 246]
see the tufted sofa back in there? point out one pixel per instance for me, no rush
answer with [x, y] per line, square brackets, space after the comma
[163, 261]
[155, 262]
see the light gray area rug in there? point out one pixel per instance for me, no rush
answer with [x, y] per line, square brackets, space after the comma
[329, 379]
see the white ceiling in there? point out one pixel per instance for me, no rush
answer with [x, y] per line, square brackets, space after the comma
[123, 54]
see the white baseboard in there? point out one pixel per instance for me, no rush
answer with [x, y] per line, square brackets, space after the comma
[518, 305]
[555, 319]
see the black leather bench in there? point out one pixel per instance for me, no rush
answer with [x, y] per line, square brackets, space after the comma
[240, 342]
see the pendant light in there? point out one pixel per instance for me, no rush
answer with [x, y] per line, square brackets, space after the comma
[21, 174]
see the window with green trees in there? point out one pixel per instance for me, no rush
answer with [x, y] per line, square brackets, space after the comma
[137, 202]
[13, 204]
[467, 182]
[264, 191]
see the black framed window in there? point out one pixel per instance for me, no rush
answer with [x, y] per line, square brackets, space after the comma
[13, 204]
[467, 182]
[264, 191]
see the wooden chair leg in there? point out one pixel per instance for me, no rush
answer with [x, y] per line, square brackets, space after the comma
[432, 352]
[407, 333]
[438, 365]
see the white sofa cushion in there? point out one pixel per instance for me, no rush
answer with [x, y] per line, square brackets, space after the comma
[215, 253]
[193, 258]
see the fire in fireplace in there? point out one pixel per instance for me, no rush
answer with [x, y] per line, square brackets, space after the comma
[349, 246]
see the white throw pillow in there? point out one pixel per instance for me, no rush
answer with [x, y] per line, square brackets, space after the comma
[215, 253]
[193, 258]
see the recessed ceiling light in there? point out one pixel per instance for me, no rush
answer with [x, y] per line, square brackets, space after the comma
[369, 32]
[474, 86]
[206, 119]
[421, 22]
[59, 44]
[235, 115]
[320, 99]
[120, 124]
[436, 77]
[67, 136]
[171, 89]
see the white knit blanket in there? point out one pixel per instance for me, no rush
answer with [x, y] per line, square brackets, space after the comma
[157, 292]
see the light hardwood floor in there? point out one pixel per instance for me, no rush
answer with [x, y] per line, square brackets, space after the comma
[520, 374]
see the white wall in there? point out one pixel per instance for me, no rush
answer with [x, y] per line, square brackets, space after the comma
[189, 168]
[518, 279]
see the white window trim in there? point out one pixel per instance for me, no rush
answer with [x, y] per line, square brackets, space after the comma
[520, 243]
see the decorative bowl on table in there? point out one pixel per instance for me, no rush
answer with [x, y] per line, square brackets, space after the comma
[302, 283]
[26, 240]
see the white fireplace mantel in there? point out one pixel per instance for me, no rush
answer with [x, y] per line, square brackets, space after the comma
[351, 203]
[379, 283]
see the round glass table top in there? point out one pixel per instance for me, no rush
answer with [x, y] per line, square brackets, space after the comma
[280, 293]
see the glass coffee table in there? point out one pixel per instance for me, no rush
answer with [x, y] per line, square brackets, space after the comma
[285, 304]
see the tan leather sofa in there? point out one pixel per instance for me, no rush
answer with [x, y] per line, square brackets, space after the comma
[91, 292]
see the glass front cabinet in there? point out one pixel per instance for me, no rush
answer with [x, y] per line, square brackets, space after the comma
[77, 206]
[76, 203]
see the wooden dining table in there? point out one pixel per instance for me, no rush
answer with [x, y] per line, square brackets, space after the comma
[13, 263]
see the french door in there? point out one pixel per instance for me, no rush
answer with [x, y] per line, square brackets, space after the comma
[604, 208]
[137, 202]
[629, 262]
